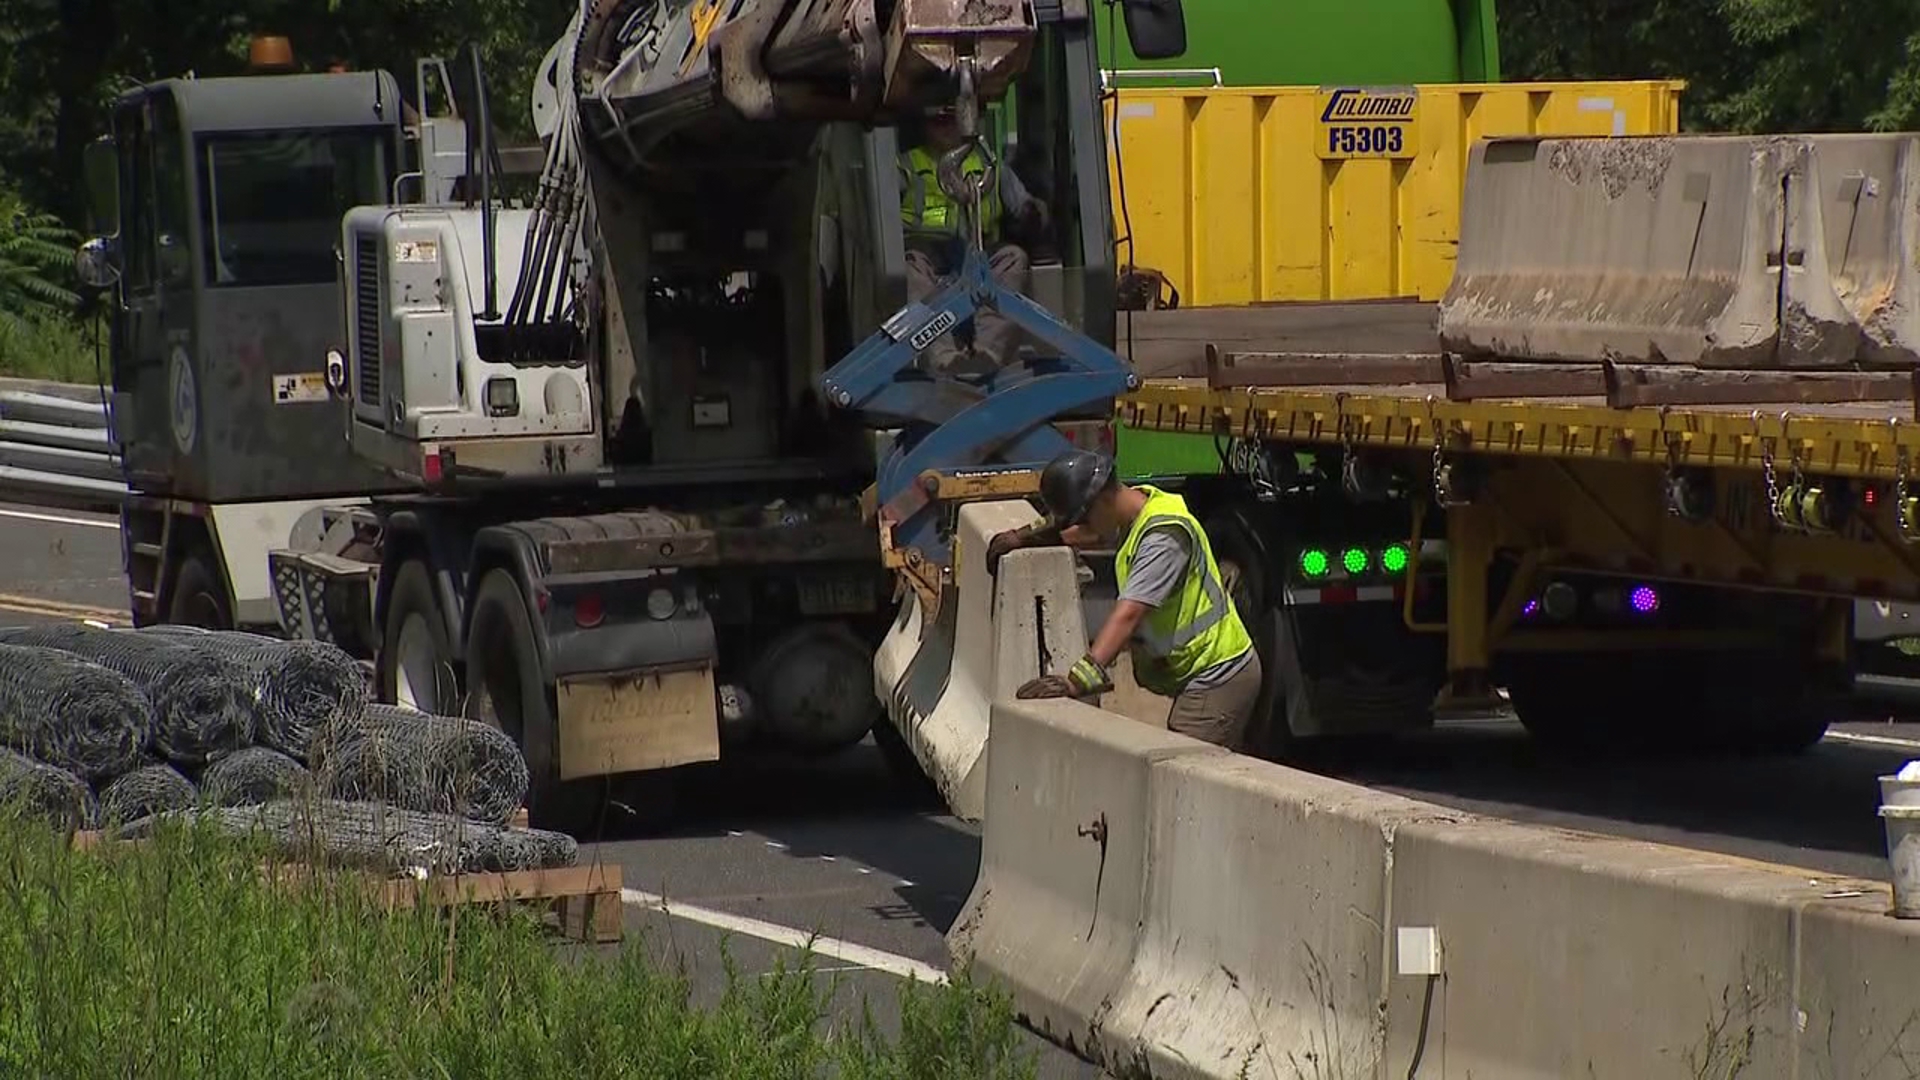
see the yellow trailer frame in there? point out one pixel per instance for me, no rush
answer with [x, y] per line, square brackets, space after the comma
[1580, 485]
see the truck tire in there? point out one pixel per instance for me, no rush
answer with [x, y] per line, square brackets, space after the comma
[197, 597]
[1245, 579]
[506, 688]
[416, 660]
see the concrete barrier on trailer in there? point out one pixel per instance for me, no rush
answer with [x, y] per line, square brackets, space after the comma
[1056, 910]
[1647, 250]
[1164, 907]
[1863, 205]
[940, 677]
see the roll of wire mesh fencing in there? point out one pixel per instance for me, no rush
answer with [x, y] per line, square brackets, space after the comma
[150, 789]
[387, 838]
[203, 706]
[71, 713]
[423, 762]
[255, 775]
[302, 688]
[36, 791]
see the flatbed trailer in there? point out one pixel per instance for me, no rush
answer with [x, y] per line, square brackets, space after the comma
[1626, 549]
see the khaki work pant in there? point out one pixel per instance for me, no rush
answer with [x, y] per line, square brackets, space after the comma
[1221, 715]
[993, 335]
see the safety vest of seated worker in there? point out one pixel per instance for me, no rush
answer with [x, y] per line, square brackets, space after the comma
[925, 208]
[1197, 627]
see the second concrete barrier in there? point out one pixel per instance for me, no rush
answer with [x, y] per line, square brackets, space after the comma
[1056, 911]
[1167, 909]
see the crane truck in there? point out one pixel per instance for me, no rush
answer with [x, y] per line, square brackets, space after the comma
[559, 461]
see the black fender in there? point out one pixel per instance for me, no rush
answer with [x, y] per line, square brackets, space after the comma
[617, 644]
[506, 547]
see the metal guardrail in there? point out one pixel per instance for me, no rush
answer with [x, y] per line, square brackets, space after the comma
[57, 450]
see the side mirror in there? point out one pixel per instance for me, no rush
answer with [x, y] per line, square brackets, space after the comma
[1156, 29]
[94, 265]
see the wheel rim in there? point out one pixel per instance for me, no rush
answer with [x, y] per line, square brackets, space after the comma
[416, 668]
[200, 609]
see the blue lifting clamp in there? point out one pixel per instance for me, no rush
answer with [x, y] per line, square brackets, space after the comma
[999, 424]
[948, 424]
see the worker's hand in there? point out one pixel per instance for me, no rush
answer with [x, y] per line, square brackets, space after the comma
[1000, 545]
[1085, 679]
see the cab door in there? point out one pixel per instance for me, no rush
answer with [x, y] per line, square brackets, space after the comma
[139, 355]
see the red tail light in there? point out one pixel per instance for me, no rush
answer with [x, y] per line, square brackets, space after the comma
[587, 612]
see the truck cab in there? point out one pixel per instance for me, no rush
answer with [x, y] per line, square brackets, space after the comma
[223, 208]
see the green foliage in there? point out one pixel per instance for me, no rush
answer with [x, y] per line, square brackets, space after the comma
[1751, 65]
[178, 958]
[36, 262]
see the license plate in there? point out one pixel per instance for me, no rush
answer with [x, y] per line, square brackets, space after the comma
[836, 594]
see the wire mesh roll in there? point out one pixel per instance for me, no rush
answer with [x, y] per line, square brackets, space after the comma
[302, 687]
[388, 838]
[150, 789]
[202, 706]
[419, 761]
[71, 713]
[42, 792]
[255, 775]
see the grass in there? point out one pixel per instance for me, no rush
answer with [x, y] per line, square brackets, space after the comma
[176, 958]
[48, 347]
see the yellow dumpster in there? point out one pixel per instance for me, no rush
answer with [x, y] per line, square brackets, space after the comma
[1245, 195]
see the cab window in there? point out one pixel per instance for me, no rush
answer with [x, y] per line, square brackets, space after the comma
[272, 202]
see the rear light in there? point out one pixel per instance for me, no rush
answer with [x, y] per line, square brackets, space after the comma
[588, 611]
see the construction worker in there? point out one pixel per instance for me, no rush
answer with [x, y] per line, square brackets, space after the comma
[935, 245]
[1173, 613]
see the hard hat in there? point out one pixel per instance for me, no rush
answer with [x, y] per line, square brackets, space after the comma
[1069, 483]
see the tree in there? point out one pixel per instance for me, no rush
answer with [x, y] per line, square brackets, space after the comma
[36, 265]
[1751, 65]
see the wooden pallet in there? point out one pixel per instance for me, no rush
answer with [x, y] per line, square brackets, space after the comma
[585, 899]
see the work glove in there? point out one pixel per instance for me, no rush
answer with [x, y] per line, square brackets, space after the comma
[1085, 679]
[1000, 545]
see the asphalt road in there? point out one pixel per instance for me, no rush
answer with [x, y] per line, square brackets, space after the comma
[764, 855]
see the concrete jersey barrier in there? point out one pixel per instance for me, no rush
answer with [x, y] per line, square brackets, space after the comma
[939, 677]
[1743, 252]
[1168, 909]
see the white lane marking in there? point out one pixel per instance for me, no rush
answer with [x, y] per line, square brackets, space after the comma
[902, 966]
[61, 519]
[1874, 740]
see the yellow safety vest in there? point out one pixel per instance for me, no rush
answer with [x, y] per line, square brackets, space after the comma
[1195, 628]
[926, 210]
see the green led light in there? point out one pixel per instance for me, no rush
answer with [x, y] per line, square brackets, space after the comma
[1394, 559]
[1355, 560]
[1314, 563]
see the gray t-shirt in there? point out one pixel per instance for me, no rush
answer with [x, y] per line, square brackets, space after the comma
[1159, 566]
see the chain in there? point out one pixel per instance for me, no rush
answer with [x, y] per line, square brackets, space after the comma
[1773, 481]
[1903, 517]
[1440, 496]
[1349, 464]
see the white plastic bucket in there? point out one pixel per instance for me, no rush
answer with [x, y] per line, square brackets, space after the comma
[1900, 810]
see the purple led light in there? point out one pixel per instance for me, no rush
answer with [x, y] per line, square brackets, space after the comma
[1532, 609]
[1645, 600]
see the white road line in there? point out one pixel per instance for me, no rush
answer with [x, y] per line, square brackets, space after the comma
[1874, 740]
[902, 966]
[60, 519]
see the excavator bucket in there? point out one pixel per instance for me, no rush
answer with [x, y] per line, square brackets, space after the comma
[929, 37]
